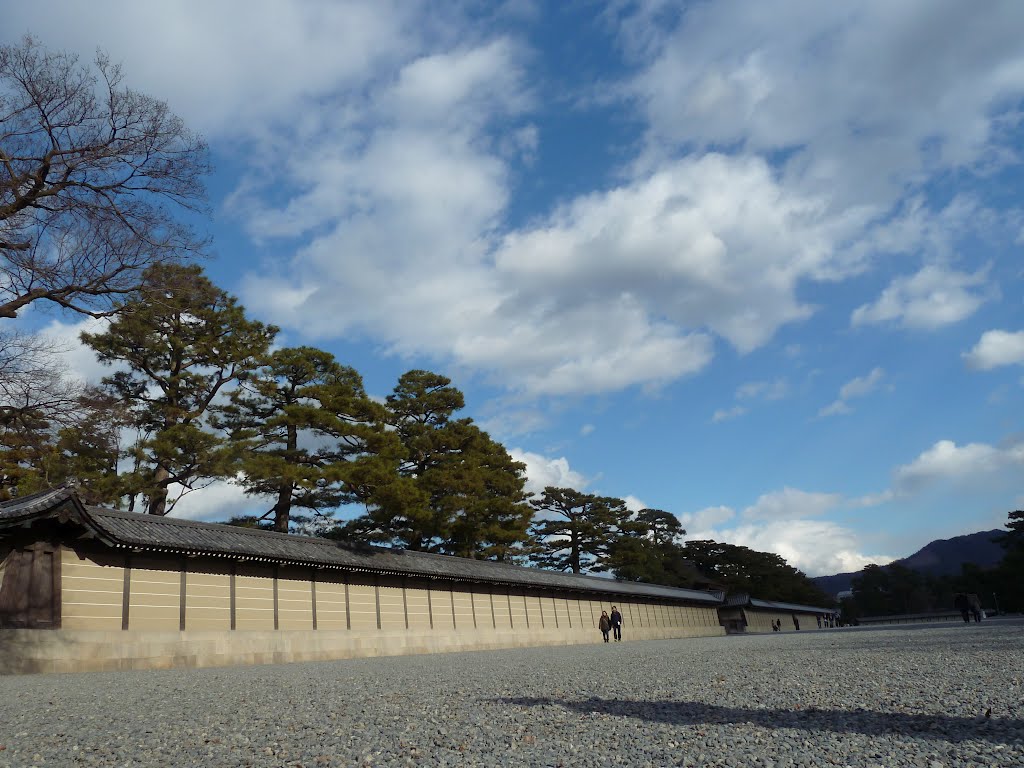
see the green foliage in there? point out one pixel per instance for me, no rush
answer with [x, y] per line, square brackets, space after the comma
[895, 589]
[36, 454]
[456, 491]
[579, 530]
[182, 340]
[304, 422]
[761, 574]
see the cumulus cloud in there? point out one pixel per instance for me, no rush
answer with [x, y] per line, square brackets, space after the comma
[705, 520]
[996, 348]
[277, 59]
[217, 501]
[542, 471]
[633, 504]
[816, 547]
[81, 361]
[380, 165]
[857, 387]
[931, 298]
[918, 93]
[791, 503]
[946, 461]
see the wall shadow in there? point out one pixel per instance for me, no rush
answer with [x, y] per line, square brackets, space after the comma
[939, 727]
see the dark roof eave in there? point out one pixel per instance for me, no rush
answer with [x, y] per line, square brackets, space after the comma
[127, 530]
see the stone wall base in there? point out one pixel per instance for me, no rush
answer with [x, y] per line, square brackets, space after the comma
[30, 650]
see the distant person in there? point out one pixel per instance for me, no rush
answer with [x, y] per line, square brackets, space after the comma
[819, 621]
[796, 623]
[962, 604]
[604, 624]
[616, 619]
[975, 606]
[776, 627]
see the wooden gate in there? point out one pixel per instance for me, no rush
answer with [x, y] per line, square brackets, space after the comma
[30, 593]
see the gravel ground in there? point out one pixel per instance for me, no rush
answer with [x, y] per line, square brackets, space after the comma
[930, 697]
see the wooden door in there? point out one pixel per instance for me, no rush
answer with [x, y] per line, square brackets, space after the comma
[30, 593]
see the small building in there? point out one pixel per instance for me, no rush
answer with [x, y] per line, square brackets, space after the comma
[741, 613]
[91, 588]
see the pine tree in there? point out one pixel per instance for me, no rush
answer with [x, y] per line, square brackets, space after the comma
[305, 423]
[580, 531]
[183, 340]
[456, 490]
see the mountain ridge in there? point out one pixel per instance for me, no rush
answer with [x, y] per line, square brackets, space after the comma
[941, 557]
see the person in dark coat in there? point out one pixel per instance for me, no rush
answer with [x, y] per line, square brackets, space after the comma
[616, 619]
[604, 624]
[974, 604]
[962, 605]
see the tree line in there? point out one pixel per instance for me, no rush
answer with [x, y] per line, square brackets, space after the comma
[94, 181]
[896, 589]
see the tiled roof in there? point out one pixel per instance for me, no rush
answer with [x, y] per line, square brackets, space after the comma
[26, 506]
[167, 534]
[746, 601]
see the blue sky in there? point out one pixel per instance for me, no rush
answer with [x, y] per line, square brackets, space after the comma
[758, 264]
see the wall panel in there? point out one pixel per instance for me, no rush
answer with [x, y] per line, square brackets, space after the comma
[441, 602]
[294, 598]
[520, 619]
[464, 607]
[417, 605]
[501, 608]
[561, 609]
[330, 600]
[362, 602]
[254, 597]
[154, 593]
[392, 603]
[208, 596]
[535, 607]
[92, 591]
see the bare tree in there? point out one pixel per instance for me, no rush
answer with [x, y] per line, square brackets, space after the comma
[34, 383]
[92, 177]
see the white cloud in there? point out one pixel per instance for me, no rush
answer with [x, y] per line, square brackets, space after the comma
[931, 298]
[233, 67]
[705, 520]
[862, 385]
[218, 501]
[918, 91]
[856, 387]
[633, 504]
[996, 348]
[791, 503]
[587, 429]
[816, 547]
[767, 390]
[543, 471]
[726, 414]
[80, 359]
[945, 461]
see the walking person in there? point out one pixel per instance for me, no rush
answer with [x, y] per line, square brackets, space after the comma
[604, 624]
[616, 619]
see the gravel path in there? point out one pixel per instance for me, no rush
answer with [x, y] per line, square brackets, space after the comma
[881, 697]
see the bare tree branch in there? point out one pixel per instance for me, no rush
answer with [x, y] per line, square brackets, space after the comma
[92, 177]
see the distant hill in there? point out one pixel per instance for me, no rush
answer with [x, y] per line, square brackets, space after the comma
[942, 557]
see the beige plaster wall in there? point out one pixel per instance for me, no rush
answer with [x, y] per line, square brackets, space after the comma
[379, 614]
[27, 651]
[92, 591]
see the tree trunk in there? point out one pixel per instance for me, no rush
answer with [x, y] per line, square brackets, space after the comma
[283, 508]
[158, 495]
